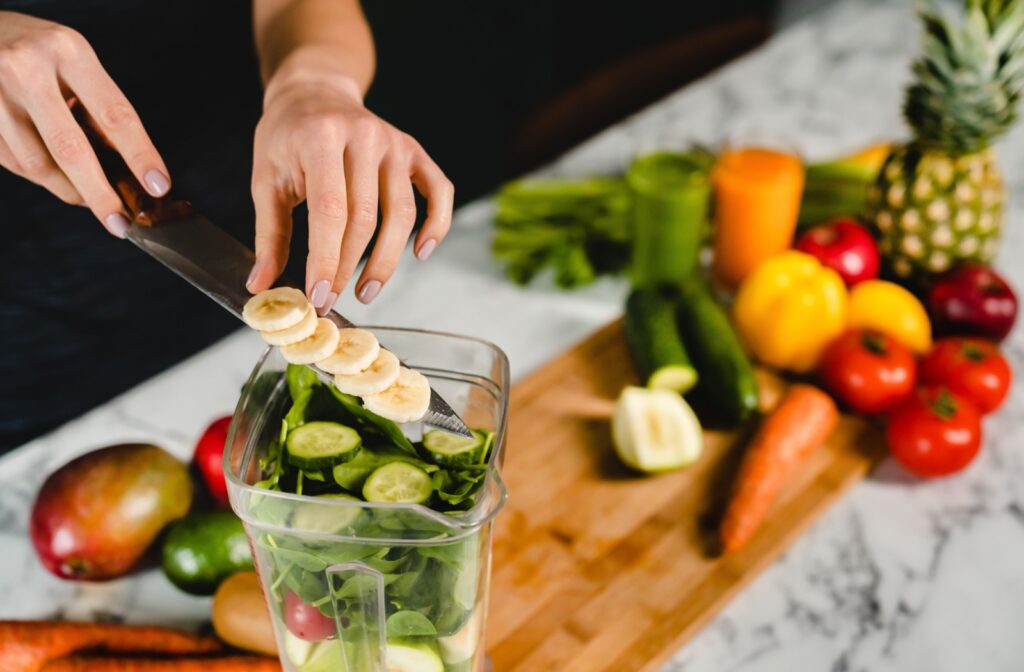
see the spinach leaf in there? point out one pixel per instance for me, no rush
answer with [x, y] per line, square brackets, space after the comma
[410, 624]
[300, 380]
[389, 429]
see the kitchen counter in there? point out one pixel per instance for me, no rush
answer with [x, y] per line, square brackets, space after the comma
[900, 575]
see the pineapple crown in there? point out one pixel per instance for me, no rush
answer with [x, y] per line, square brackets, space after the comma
[970, 76]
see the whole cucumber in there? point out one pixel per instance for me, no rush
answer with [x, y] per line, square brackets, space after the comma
[654, 341]
[203, 549]
[726, 392]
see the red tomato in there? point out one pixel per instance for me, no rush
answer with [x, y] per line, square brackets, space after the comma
[934, 432]
[209, 458]
[868, 371]
[306, 621]
[971, 367]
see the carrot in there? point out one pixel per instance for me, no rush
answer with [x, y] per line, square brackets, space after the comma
[187, 664]
[802, 421]
[25, 646]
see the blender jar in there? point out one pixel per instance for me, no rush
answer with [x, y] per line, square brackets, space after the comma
[355, 586]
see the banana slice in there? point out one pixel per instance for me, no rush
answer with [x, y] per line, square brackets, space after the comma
[295, 333]
[406, 400]
[357, 348]
[275, 309]
[321, 344]
[376, 378]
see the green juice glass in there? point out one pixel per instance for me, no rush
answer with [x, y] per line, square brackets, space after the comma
[671, 193]
[395, 587]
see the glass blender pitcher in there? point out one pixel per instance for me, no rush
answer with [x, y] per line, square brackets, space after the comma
[355, 586]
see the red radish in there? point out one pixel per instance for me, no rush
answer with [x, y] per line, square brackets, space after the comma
[844, 246]
[209, 458]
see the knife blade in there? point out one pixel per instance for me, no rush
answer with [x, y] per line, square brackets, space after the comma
[209, 258]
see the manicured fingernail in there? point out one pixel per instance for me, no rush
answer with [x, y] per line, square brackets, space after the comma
[157, 183]
[329, 302]
[369, 291]
[318, 297]
[252, 274]
[117, 224]
[426, 249]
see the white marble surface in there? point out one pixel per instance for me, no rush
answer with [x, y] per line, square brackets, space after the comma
[898, 576]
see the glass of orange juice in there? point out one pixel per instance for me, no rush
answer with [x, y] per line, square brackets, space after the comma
[757, 201]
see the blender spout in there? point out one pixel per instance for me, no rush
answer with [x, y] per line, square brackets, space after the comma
[357, 592]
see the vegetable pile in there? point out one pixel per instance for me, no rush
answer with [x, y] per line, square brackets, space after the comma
[339, 454]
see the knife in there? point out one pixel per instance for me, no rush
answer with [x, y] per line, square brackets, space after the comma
[214, 262]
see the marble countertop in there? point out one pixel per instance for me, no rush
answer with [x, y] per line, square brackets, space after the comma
[900, 575]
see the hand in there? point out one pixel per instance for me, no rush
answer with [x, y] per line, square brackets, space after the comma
[317, 142]
[42, 65]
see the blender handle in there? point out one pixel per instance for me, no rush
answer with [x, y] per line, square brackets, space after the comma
[367, 651]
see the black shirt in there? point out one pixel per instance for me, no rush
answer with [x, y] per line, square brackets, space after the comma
[83, 315]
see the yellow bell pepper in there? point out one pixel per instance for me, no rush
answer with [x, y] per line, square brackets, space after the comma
[789, 309]
[888, 308]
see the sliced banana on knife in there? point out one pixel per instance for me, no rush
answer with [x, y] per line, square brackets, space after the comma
[320, 345]
[275, 309]
[357, 348]
[405, 400]
[285, 318]
[375, 378]
[295, 333]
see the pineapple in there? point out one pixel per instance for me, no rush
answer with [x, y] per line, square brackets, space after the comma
[938, 200]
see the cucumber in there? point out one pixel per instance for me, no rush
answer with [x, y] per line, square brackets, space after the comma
[726, 392]
[453, 450]
[321, 445]
[317, 517]
[413, 656]
[655, 430]
[655, 343]
[398, 482]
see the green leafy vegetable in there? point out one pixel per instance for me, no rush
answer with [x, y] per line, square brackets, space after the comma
[410, 624]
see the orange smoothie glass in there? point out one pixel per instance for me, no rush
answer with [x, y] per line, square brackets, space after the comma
[757, 201]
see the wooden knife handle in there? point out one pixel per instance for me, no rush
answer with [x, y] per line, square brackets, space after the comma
[143, 209]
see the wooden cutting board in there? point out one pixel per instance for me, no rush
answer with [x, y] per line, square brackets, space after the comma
[597, 569]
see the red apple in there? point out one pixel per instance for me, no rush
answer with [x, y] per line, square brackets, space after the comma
[844, 246]
[209, 458]
[973, 300]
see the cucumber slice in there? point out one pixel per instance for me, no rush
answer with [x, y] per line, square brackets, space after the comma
[321, 445]
[398, 482]
[410, 656]
[297, 650]
[454, 451]
[655, 430]
[675, 377]
[317, 517]
[463, 644]
[326, 657]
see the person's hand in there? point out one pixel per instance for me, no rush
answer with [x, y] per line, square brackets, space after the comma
[317, 142]
[43, 65]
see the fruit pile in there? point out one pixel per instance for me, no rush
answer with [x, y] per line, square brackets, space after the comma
[285, 318]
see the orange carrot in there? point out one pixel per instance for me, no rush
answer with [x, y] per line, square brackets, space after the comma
[802, 421]
[181, 664]
[25, 646]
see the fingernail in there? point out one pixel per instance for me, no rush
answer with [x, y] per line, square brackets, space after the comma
[332, 298]
[318, 297]
[369, 291]
[426, 249]
[157, 183]
[252, 275]
[117, 224]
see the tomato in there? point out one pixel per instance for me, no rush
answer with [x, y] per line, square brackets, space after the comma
[209, 458]
[868, 371]
[306, 621]
[971, 367]
[934, 432]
